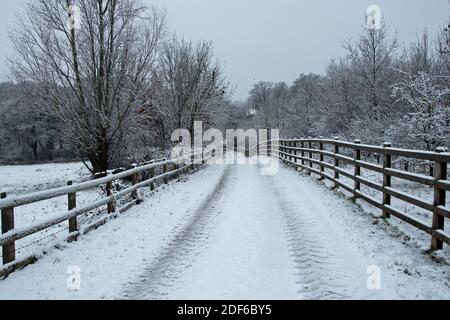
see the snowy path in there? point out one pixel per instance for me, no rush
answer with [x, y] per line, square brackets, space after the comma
[230, 233]
[254, 244]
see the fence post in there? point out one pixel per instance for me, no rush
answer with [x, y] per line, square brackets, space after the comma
[290, 152]
[165, 171]
[440, 173]
[134, 181]
[152, 175]
[310, 154]
[336, 162]
[269, 142]
[321, 159]
[175, 168]
[387, 163]
[286, 151]
[109, 193]
[357, 185]
[303, 153]
[295, 154]
[72, 204]
[8, 250]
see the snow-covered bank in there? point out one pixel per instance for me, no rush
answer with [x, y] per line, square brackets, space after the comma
[402, 229]
[30, 178]
[113, 254]
[405, 269]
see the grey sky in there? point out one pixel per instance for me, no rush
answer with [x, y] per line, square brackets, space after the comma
[274, 40]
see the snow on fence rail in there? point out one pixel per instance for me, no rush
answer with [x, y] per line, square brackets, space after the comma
[10, 234]
[311, 155]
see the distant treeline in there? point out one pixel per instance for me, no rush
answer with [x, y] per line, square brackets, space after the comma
[27, 134]
[380, 91]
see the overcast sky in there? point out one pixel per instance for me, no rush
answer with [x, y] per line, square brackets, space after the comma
[274, 40]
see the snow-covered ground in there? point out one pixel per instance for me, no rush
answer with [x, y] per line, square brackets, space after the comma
[25, 179]
[421, 239]
[31, 178]
[228, 232]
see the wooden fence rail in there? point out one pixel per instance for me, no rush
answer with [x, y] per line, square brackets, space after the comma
[315, 158]
[11, 234]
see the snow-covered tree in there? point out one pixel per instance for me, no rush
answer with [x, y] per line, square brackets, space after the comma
[92, 75]
[308, 105]
[261, 103]
[191, 87]
[443, 52]
[26, 132]
[420, 56]
[426, 124]
[372, 60]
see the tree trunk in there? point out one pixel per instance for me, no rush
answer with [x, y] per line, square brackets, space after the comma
[34, 148]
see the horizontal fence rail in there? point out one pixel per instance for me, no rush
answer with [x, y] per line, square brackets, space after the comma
[316, 155]
[10, 234]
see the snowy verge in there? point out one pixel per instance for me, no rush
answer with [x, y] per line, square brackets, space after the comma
[405, 268]
[30, 178]
[113, 254]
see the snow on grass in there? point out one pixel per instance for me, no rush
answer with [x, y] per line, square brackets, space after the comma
[17, 180]
[420, 191]
[30, 178]
[113, 254]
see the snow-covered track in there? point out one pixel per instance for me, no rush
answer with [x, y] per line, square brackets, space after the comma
[182, 250]
[227, 232]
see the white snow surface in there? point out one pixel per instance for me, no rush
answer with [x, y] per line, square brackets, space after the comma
[227, 232]
[16, 180]
[30, 178]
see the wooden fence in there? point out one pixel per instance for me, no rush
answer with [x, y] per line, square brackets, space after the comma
[11, 234]
[314, 155]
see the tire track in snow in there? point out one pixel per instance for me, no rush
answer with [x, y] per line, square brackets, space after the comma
[182, 251]
[315, 263]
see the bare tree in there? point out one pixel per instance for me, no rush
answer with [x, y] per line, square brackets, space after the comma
[308, 104]
[261, 102]
[373, 63]
[92, 78]
[342, 108]
[191, 87]
[420, 57]
[372, 59]
[212, 91]
[443, 52]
